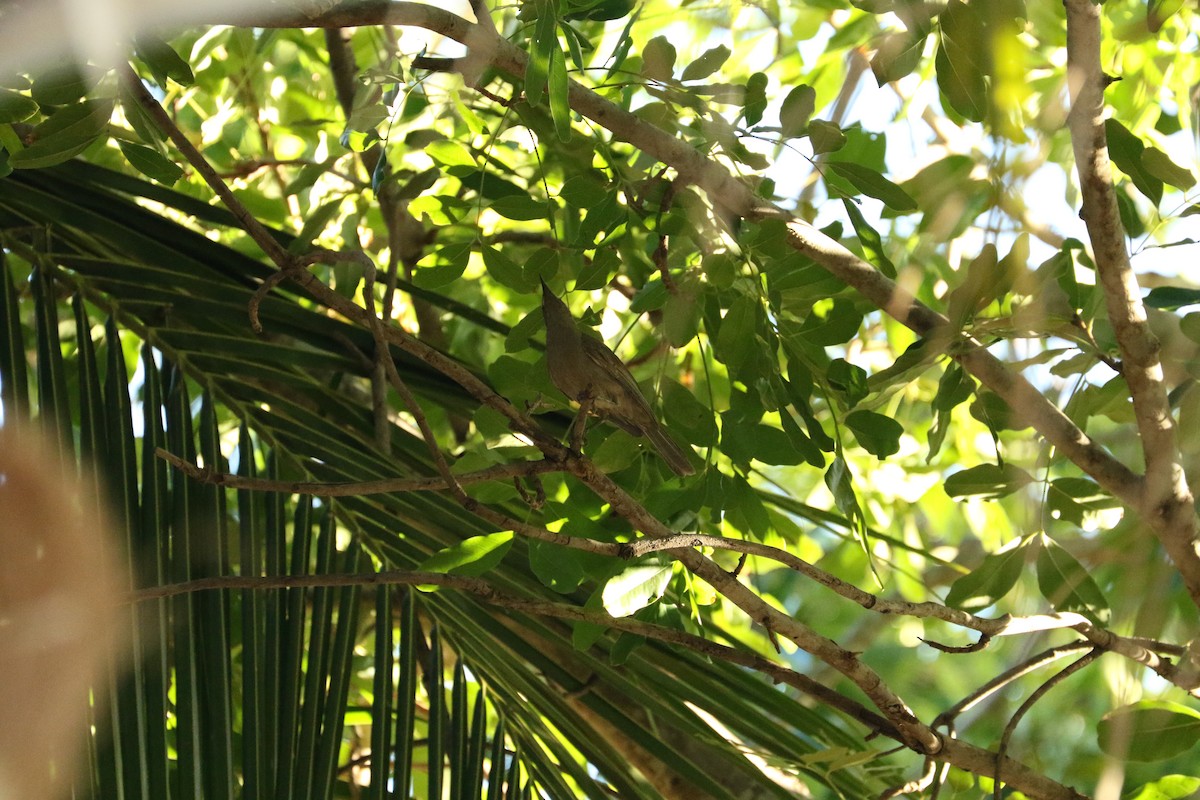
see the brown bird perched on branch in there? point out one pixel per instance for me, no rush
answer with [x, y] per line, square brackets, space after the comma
[585, 370]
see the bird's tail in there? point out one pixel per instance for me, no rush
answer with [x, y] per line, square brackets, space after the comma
[672, 453]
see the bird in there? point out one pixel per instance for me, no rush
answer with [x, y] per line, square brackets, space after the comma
[585, 370]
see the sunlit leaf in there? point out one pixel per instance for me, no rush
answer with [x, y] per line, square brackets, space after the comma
[473, 556]
[1171, 787]
[635, 588]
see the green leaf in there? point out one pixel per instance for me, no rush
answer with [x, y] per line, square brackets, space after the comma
[366, 118]
[736, 337]
[1152, 730]
[831, 324]
[626, 644]
[745, 508]
[617, 451]
[744, 441]
[582, 191]
[709, 62]
[599, 10]
[448, 265]
[15, 107]
[606, 216]
[994, 411]
[873, 184]
[473, 556]
[521, 208]
[848, 379]
[576, 42]
[1172, 787]
[450, 153]
[686, 415]
[720, 269]
[314, 225]
[826, 137]
[1160, 165]
[1131, 217]
[163, 61]
[1159, 11]
[519, 335]
[990, 581]
[800, 442]
[869, 238]
[139, 119]
[1172, 297]
[557, 86]
[66, 134]
[1069, 499]
[797, 107]
[597, 273]
[988, 481]
[585, 634]
[636, 588]
[898, 54]
[754, 103]
[63, 85]
[151, 163]
[878, 435]
[545, 42]
[977, 290]
[1126, 152]
[1067, 585]
[839, 480]
[658, 59]
[681, 314]
[557, 567]
[505, 271]
[961, 41]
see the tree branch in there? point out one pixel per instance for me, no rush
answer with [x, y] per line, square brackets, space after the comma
[1167, 501]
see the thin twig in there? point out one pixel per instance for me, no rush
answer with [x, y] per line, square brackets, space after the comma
[249, 224]
[946, 718]
[1038, 694]
[919, 784]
